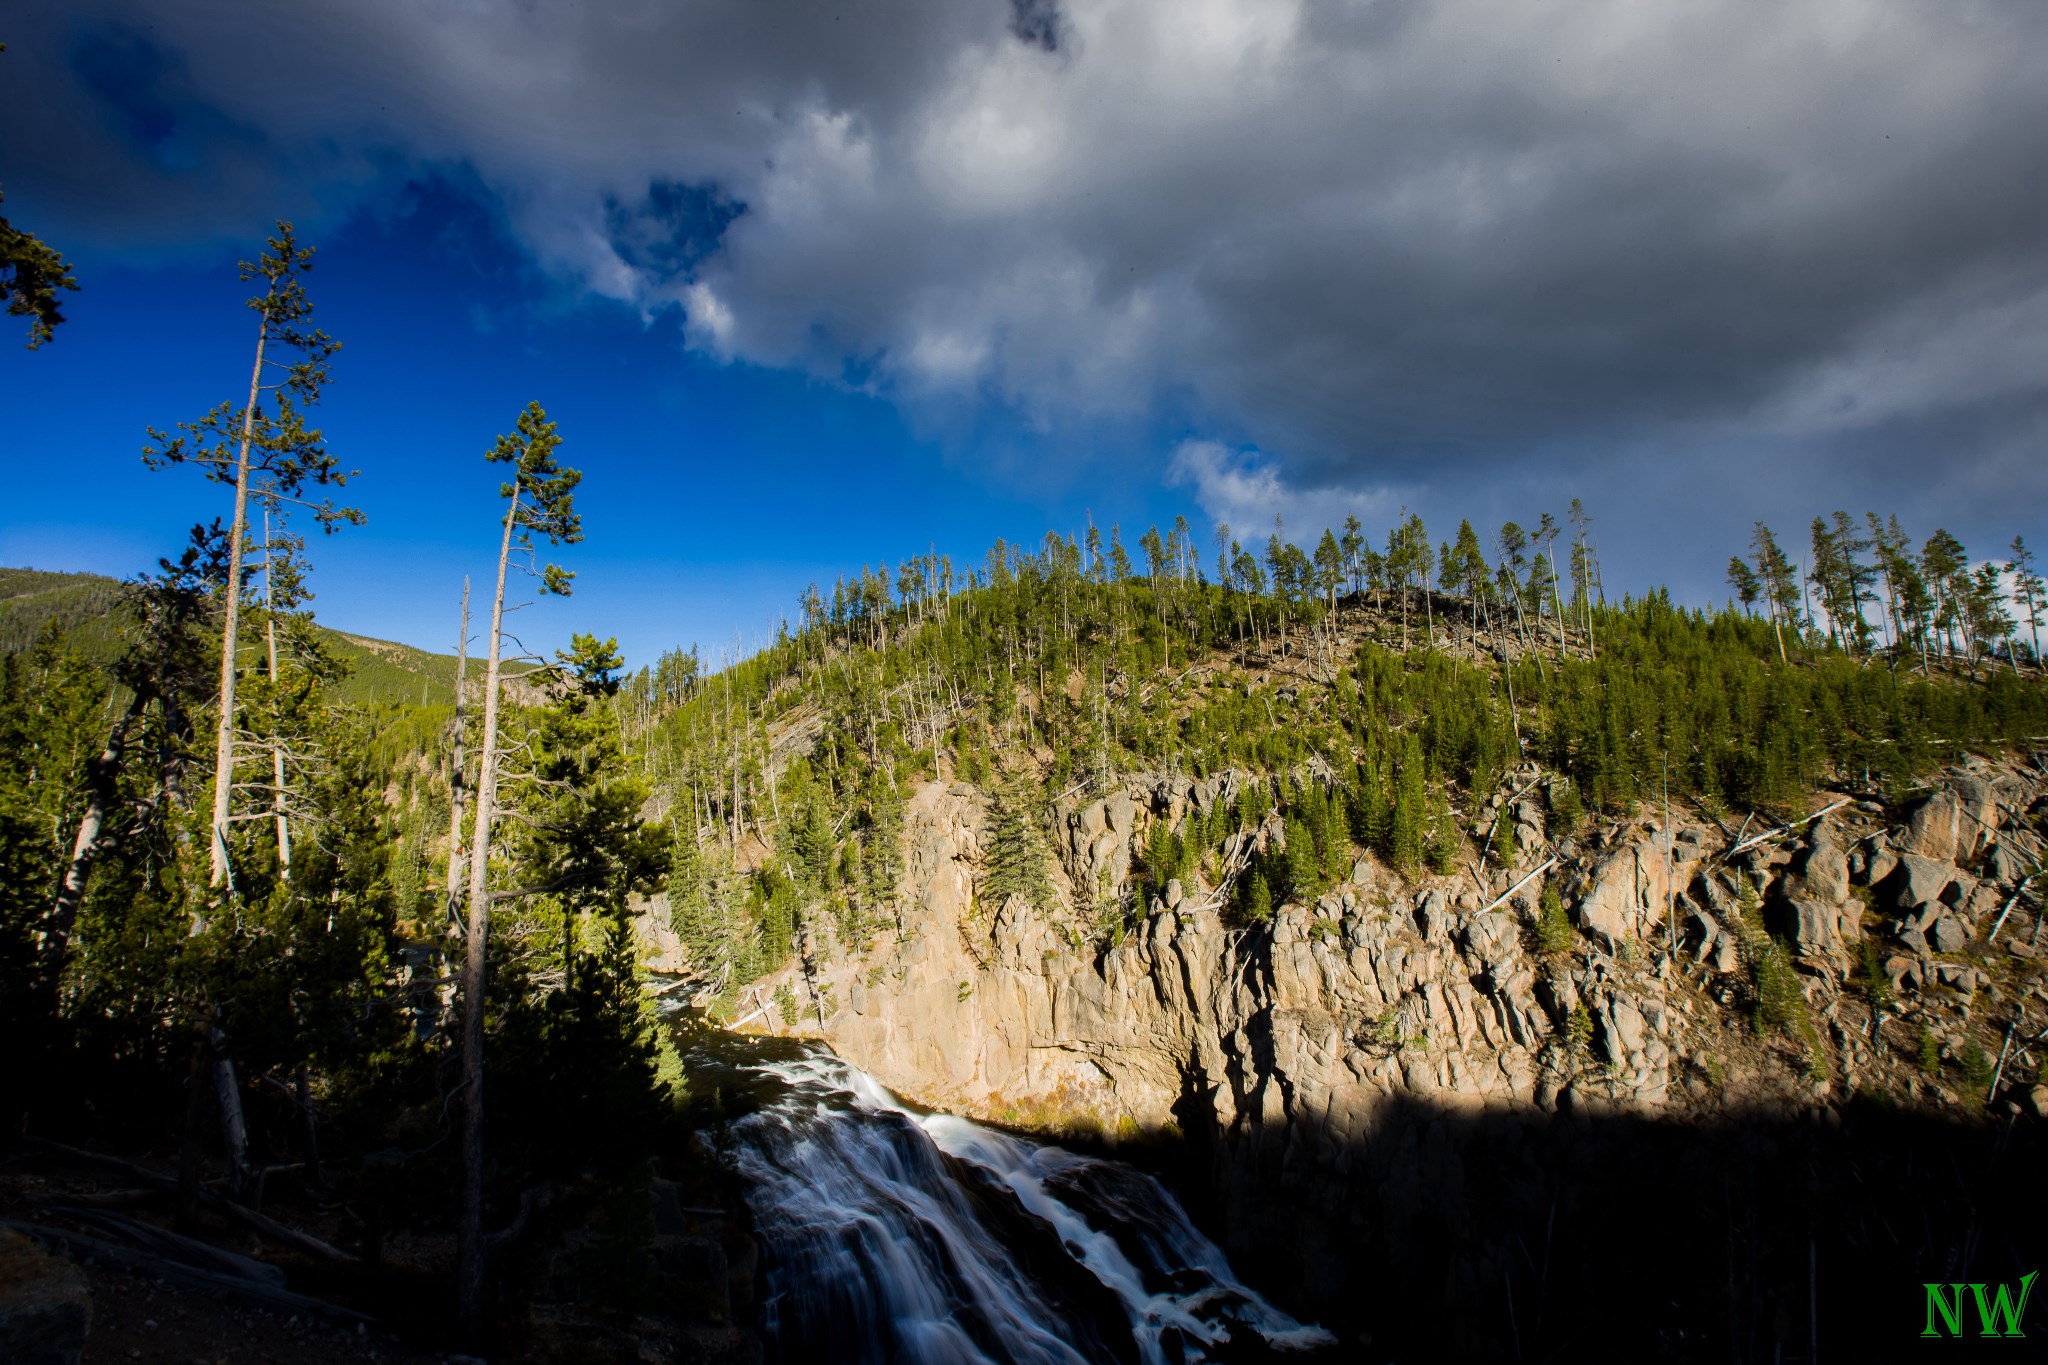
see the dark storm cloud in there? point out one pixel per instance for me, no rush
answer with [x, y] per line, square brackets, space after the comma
[1408, 245]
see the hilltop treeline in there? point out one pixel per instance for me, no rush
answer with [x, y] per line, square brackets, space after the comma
[1377, 696]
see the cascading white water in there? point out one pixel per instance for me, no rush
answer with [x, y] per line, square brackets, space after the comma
[899, 1236]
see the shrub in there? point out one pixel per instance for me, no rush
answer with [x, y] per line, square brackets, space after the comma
[1929, 1049]
[1553, 927]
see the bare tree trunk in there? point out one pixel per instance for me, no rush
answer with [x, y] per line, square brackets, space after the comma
[309, 1130]
[188, 1141]
[224, 746]
[284, 834]
[234, 1130]
[469, 1248]
[100, 778]
[1556, 600]
[455, 788]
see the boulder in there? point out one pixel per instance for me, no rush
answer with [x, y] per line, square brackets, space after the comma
[1879, 865]
[2006, 864]
[1627, 893]
[1824, 867]
[1932, 826]
[1947, 934]
[1976, 812]
[1918, 880]
[1491, 939]
[1814, 929]
[1432, 916]
[1628, 1025]
[45, 1306]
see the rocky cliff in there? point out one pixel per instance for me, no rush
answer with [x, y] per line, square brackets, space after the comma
[1336, 1067]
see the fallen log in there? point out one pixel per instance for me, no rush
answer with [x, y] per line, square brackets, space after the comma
[257, 1223]
[1782, 830]
[175, 1245]
[80, 1245]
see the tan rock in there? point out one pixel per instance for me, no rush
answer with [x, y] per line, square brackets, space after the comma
[1931, 827]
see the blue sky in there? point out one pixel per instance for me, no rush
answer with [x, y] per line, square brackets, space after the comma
[713, 491]
[807, 288]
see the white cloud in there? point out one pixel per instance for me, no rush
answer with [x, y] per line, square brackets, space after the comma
[1245, 489]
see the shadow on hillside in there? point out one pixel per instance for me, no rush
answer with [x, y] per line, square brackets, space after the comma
[1454, 1235]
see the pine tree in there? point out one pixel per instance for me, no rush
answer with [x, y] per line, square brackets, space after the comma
[540, 500]
[31, 273]
[1553, 926]
[1746, 585]
[273, 457]
[1258, 898]
[2028, 591]
[1304, 870]
[1015, 863]
[1406, 830]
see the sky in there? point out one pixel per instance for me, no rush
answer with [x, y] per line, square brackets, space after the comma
[808, 286]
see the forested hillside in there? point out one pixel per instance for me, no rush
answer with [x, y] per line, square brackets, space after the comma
[94, 611]
[1377, 698]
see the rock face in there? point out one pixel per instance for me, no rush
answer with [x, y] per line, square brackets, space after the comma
[45, 1309]
[1307, 1023]
[1628, 892]
[1315, 1058]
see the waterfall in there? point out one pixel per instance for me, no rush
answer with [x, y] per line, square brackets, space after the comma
[892, 1235]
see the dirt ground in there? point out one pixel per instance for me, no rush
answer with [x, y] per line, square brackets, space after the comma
[138, 1318]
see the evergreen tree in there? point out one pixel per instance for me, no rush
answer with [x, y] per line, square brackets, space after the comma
[1015, 861]
[539, 500]
[1258, 898]
[2028, 591]
[31, 273]
[275, 457]
[1303, 869]
[1406, 827]
[1745, 583]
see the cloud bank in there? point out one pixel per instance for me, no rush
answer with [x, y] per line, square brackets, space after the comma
[1404, 244]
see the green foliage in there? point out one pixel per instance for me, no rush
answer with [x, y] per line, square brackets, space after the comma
[1502, 844]
[1016, 858]
[1777, 1002]
[1567, 812]
[1303, 870]
[1976, 1066]
[1578, 1030]
[1553, 927]
[1256, 904]
[541, 492]
[1166, 858]
[285, 459]
[1405, 826]
[1871, 981]
[31, 273]
[1927, 1049]
[1445, 842]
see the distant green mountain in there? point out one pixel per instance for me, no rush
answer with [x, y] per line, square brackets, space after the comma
[87, 607]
